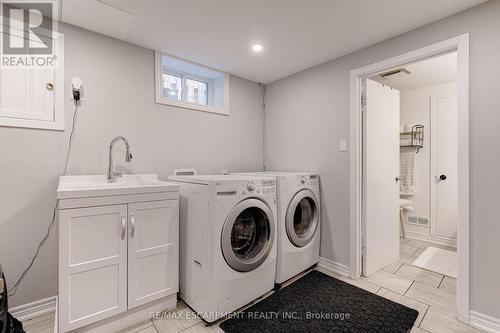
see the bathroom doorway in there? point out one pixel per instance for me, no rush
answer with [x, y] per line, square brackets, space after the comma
[410, 183]
[425, 93]
[409, 179]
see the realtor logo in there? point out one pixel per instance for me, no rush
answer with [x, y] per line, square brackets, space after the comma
[27, 30]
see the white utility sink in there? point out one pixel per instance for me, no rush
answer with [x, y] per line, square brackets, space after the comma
[97, 186]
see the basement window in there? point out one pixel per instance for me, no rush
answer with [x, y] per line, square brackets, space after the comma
[188, 85]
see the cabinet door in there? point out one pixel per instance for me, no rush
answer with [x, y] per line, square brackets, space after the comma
[92, 264]
[26, 100]
[152, 251]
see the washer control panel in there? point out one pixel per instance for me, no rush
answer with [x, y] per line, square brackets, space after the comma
[267, 186]
[266, 190]
[250, 186]
[308, 180]
[260, 186]
[245, 188]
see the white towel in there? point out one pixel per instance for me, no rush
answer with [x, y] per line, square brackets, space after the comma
[407, 170]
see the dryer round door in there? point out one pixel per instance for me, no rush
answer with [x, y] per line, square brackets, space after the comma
[302, 218]
[248, 235]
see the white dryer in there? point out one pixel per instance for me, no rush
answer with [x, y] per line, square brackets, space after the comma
[227, 241]
[299, 226]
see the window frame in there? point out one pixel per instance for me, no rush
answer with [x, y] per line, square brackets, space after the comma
[160, 99]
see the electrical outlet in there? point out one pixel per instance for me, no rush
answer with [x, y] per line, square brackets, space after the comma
[76, 89]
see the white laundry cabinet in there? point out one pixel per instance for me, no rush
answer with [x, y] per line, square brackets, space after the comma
[117, 255]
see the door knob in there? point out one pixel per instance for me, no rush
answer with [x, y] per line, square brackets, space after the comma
[442, 177]
[400, 179]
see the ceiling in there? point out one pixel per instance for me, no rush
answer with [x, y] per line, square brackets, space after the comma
[424, 73]
[296, 34]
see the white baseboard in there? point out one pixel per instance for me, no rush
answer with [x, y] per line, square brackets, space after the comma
[35, 309]
[432, 239]
[484, 322]
[333, 267]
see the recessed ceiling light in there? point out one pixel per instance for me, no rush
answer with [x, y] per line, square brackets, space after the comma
[257, 47]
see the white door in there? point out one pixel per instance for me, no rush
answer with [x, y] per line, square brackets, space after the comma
[380, 187]
[444, 169]
[153, 251]
[92, 264]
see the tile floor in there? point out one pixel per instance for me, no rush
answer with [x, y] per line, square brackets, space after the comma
[430, 293]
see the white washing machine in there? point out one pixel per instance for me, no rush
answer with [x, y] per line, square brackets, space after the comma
[227, 241]
[299, 226]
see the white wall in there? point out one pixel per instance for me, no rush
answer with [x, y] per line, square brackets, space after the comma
[119, 100]
[307, 114]
[415, 109]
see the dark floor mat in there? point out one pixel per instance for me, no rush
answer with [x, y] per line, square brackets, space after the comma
[320, 303]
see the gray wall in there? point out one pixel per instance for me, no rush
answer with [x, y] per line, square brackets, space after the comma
[307, 114]
[119, 100]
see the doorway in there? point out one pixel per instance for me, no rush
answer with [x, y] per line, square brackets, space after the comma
[364, 203]
[410, 167]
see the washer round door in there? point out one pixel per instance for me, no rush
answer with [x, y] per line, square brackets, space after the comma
[248, 235]
[302, 218]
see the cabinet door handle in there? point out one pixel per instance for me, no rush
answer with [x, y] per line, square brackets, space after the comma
[132, 226]
[124, 227]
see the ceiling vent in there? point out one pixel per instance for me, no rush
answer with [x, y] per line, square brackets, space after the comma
[395, 73]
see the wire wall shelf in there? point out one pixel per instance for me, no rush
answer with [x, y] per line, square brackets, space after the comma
[413, 138]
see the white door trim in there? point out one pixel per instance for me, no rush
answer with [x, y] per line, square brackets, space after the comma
[461, 45]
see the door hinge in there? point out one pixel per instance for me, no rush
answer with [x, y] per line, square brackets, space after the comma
[363, 101]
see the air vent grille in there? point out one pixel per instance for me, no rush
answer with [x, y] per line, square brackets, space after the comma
[399, 71]
[419, 220]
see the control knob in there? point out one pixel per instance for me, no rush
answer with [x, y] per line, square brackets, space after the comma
[250, 186]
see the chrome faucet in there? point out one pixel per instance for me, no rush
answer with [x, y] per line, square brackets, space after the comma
[112, 175]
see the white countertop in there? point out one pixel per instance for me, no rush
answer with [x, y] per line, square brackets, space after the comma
[97, 185]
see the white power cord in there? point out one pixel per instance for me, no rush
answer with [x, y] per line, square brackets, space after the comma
[13, 290]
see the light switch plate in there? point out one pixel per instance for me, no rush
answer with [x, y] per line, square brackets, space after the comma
[343, 145]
